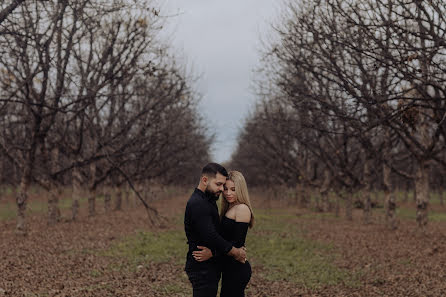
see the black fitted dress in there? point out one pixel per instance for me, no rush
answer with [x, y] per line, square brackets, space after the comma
[235, 275]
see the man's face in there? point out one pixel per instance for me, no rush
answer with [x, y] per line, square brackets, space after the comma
[215, 185]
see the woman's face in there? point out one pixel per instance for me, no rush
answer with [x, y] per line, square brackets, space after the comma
[229, 191]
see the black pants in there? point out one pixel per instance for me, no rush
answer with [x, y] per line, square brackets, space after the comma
[235, 277]
[204, 280]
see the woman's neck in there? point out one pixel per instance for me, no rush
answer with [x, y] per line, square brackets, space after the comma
[232, 204]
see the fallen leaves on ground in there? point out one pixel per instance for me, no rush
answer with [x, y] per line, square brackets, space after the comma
[65, 259]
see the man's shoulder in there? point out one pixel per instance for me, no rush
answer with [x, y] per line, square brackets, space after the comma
[196, 199]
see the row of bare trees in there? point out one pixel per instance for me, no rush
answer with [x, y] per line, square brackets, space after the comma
[353, 99]
[90, 96]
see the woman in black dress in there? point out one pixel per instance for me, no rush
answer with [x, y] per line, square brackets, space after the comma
[236, 216]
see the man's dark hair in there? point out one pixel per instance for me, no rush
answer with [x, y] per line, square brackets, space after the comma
[211, 170]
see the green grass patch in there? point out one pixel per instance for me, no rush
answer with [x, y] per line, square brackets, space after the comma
[276, 245]
[437, 216]
[280, 247]
[435, 197]
[8, 209]
[405, 262]
[176, 288]
[7, 190]
[411, 214]
[144, 247]
[96, 273]
[319, 215]
[406, 213]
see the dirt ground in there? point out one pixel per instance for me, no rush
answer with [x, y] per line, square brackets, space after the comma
[57, 260]
[405, 262]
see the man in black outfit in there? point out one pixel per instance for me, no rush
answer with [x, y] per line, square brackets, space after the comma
[202, 224]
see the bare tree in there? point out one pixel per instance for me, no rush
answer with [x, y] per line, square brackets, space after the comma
[366, 79]
[91, 97]
[7, 9]
[36, 69]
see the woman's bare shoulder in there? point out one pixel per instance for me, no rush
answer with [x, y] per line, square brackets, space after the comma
[242, 213]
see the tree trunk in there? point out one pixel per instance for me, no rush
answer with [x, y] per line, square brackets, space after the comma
[92, 194]
[389, 199]
[325, 202]
[77, 183]
[366, 196]
[22, 197]
[349, 207]
[317, 202]
[107, 201]
[75, 209]
[53, 206]
[324, 190]
[92, 203]
[367, 206]
[15, 174]
[337, 205]
[118, 205]
[127, 196]
[406, 193]
[330, 202]
[2, 161]
[303, 201]
[54, 193]
[21, 200]
[422, 193]
[133, 199]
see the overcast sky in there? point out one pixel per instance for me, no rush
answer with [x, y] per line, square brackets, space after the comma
[220, 41]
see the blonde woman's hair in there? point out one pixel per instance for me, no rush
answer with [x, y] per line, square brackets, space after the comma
[241, 191]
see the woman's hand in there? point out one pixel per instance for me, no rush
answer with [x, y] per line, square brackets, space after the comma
[203, 255]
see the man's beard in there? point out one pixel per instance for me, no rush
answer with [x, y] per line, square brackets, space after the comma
[212, 194]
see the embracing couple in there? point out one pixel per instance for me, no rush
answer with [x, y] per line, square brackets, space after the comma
[216, 242]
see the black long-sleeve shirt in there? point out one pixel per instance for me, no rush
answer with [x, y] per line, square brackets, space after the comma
[202, 224]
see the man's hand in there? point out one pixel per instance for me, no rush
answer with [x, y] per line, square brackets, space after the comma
[203, 255]
[238, 253]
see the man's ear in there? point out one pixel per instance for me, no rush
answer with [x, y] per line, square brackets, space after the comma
[204, 180]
